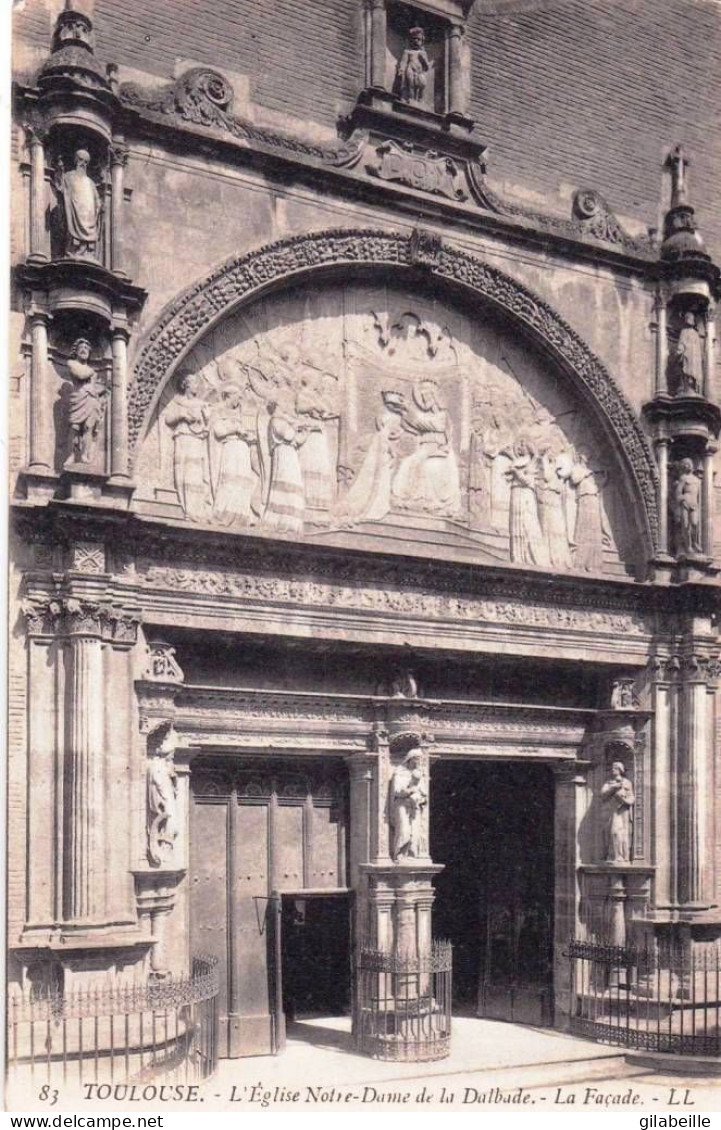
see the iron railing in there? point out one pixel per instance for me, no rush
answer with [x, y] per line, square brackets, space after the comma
[403, 1004]
[165, 1028]
[663, 996]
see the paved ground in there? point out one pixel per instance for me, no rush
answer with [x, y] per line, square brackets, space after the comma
[492, 1066]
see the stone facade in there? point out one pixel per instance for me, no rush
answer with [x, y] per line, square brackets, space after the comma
[333, 462]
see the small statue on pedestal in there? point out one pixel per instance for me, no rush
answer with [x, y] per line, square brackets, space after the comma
[87, 402]
[618, 800]
[413, 68]
[409, 796]
[82, 207]
[689, 355]
[162, 810]
[687, 509]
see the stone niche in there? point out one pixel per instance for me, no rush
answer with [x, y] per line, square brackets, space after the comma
[366, 415]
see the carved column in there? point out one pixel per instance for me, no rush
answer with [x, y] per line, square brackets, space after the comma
[38, 250]
[661, 669]
[569, 809]
[118, 155]
[661, 346]
[362, 770]
[43, 843]
[709, 390]
[378, 44]
[707, 532]
[119, 405]
[85, 816]
[662, 448]
[456, 89]
[41, 431]
[693, 782]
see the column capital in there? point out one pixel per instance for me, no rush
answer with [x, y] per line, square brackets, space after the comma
[35, 133]
[42, 616]
[118, 152]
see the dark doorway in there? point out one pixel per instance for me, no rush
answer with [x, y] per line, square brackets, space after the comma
[315, 956]
[492, 827]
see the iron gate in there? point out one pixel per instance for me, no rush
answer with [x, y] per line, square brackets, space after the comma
[403, 1009]
[664, 996]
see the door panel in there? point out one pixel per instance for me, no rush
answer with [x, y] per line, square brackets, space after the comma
[258, 829]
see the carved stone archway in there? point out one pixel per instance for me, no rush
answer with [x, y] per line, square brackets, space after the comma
[243, 279]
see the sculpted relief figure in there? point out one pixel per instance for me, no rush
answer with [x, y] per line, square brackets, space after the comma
[187, 418]
[689, 356]
[369, 496]
[618, 799]
[428, 480]
[317, 462]
[409, 796]
[235, 483]
[87, 402]
[552, 515]
[687, 509]
[527, 542]
[162, 803]
[413, 68]
[82, 207]
[285, 503]
[590, 531]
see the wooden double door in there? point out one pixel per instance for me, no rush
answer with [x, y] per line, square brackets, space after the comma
[268, 879]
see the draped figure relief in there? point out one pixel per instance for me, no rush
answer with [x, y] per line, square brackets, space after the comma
[361, 411]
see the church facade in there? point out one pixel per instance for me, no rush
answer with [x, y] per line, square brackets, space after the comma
[365, 544]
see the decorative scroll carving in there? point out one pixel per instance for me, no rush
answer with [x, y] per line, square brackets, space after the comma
[162, 666]
[591, 215]
[239, 278]
[424, 169]
[203, 97]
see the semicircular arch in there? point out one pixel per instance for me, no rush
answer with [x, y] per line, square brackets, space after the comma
[241, 280]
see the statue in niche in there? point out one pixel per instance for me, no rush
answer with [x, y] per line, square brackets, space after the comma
[318, 466]
[162, 804]
[87, 402]
[687, 509]
[235, 483]
[689, 356]
[618, 799]
[82, 207]
[187, 418]
[428, 480]
[590, 531]
[413, 68]
[409, 796]
[527, 543]
[369, 497]
[550, 489]
[285, 504]
[623, 695]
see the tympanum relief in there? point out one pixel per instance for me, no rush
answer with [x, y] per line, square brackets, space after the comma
[370, 412]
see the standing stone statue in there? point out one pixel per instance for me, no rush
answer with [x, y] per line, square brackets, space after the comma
[409, 795]
[413, 68]
[687, 509]
[689, 353]
[82, 207]
[618, 800]
[162, 804]
[87, 402]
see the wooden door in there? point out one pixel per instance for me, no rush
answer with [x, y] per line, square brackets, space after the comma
[258, 830]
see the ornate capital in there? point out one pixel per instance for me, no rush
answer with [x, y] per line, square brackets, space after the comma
[120, 626]
[83, 618]
[35, 133]
[41, 616]
[118, 153]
